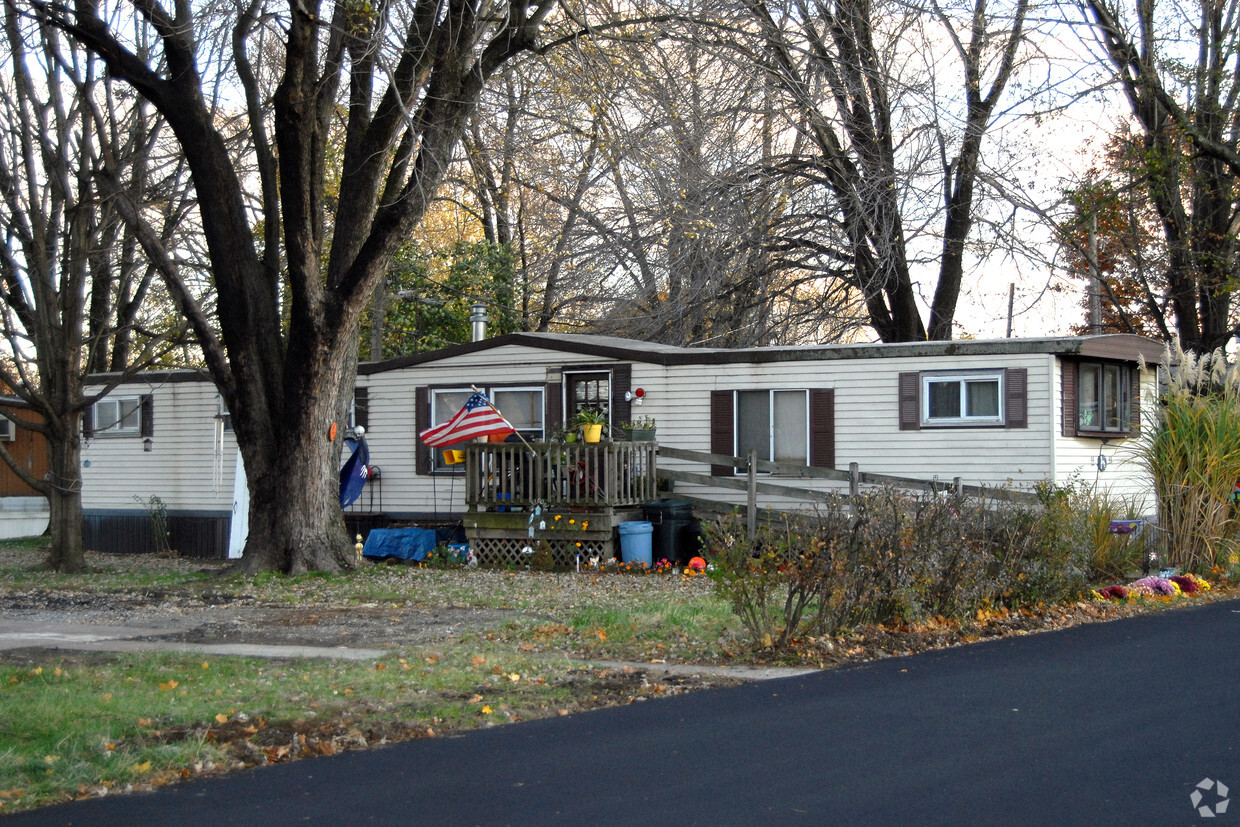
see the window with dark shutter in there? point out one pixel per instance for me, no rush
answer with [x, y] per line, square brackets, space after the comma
[122, 416]
[822, 428]
[553, 394]
[147, 426]
[722, 435]
[1068, 378]
[910, 401]
[782, 425]
[621, 384]
[1101, 399]
[995, 397]
[1016, 397]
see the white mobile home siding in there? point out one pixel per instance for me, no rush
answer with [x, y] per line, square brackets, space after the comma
[187, 467]
[1124, 479]
[867, 427]
[191, 469]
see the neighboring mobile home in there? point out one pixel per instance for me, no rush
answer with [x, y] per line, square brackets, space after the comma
[23, 511]
[1010, 412]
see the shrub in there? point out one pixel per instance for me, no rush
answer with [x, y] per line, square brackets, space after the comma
[892, 558]
[772, 582]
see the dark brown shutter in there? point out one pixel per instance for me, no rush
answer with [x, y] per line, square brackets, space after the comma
[722, 432]
[621, 384]
[1016, 397]
[553, 407]
[1136, 400]
[822, 428]
[421, 421]
[88, 421]
[910, 410]
[146, 415]
[361, 407]
[1068, 373]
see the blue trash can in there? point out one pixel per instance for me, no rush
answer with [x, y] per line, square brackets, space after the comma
[635, 539]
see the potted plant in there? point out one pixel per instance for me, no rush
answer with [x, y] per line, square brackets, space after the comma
[640, 429]
[591, 422]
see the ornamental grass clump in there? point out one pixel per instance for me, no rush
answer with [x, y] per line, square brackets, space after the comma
[1193, 455]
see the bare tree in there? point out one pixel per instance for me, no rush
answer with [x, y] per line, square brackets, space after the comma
[880, 139]
[636, 171]
[404, 78]
[74, 295]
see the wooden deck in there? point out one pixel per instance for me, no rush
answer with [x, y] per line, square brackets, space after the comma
[514, 494]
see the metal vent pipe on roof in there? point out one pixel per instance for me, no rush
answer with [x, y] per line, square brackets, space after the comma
[478, 322]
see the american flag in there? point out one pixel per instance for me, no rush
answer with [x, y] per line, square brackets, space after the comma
[477, 418]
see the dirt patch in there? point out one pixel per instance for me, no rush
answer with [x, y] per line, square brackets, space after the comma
[337, 626]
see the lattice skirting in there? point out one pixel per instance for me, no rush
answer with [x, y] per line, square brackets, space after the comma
[503, 551]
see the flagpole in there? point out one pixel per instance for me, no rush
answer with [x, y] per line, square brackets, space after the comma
[491, 405]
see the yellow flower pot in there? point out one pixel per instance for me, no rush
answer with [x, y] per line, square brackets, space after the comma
[593, 433]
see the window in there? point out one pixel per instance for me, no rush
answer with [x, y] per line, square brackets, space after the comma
[523, 407]
[793, 426]
[1104, 398]
[994, 397]
[774, 423]
[118, 415]
[588, 391]
[961, 399]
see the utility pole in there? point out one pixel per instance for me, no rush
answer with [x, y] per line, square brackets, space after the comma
[1011, 302]
[1095, 279]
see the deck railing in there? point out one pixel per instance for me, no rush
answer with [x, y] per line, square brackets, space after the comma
[516, 475]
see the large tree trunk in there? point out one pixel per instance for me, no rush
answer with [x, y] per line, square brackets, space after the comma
[292, 463]
[299, 527]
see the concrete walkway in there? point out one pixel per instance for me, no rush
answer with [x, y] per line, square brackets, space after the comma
[102, 637]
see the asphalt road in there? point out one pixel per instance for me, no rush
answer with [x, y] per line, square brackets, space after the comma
[1113, 723]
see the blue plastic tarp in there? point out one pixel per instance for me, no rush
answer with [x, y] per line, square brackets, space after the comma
[403, 543]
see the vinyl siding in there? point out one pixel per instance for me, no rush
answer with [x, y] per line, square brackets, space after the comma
[187, 471]
[185, 468]
[1076, 459]
[867, 428]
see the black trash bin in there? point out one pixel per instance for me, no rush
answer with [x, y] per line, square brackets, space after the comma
[675, 538]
